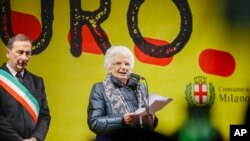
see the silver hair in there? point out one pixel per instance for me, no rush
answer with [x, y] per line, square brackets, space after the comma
[18, 37]
[112, 51]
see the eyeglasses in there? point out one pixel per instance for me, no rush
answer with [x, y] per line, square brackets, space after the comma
[119, 64]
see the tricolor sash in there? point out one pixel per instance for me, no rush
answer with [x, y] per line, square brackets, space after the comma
[20, 93]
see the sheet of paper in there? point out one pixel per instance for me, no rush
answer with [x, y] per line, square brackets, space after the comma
[156, 103]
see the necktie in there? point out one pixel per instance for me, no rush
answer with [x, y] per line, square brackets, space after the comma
[19, 77]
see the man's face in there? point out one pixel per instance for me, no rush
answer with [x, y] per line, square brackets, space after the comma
[19, 55]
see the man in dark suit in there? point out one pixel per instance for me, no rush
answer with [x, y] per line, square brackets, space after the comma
[24, 111]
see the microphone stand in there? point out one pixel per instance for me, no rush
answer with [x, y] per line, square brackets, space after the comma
[147, 103]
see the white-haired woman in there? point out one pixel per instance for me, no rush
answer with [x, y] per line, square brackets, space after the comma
[112, 103]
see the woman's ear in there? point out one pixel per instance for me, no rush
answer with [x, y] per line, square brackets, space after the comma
[109, 70]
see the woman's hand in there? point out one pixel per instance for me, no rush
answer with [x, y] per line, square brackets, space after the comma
[129, 118]
[147, 119]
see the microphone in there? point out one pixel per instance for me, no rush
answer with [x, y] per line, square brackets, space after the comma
[136, 76]
[144, 98]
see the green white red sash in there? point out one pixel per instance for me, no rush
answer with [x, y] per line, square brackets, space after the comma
[20, 93]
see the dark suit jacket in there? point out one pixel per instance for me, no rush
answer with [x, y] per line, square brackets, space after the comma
[15, 122]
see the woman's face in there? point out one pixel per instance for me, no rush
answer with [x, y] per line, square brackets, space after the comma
[120, 67]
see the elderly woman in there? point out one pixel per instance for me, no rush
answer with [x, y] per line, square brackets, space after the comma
[112, 103]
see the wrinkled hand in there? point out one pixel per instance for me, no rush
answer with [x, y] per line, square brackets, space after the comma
[146, 120]
[129, 118]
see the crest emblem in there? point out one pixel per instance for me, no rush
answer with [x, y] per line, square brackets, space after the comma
[200, 90]
[199, 93]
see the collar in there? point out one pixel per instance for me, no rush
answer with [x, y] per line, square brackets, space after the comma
[12, 71]
[130, 83]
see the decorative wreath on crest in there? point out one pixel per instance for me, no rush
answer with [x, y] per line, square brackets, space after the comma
[189, 97]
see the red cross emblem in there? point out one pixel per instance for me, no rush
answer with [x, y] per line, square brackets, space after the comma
[200, 93]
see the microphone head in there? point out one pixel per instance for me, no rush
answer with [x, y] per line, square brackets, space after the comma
[135, 76]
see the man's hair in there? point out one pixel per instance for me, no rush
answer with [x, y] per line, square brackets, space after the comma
[18, 37]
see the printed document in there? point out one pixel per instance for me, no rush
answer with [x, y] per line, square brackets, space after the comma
[156, 103]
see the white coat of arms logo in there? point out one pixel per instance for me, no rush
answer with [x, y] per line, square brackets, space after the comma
[200, 93]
